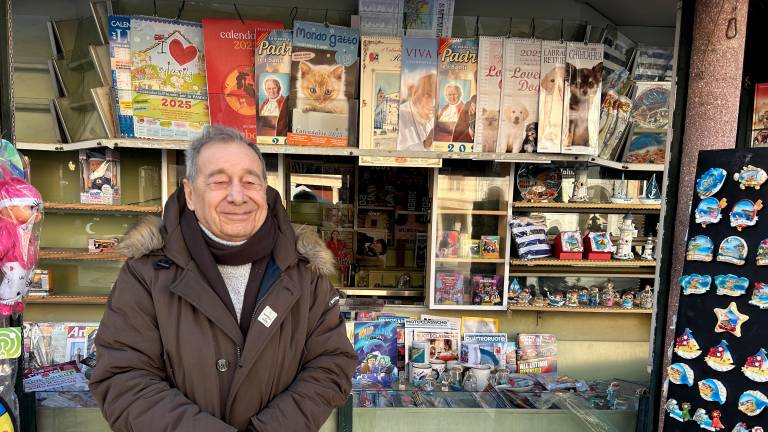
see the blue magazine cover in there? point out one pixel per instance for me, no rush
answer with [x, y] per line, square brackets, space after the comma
[376, 349]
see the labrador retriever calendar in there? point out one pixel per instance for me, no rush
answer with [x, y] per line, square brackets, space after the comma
[520, 96]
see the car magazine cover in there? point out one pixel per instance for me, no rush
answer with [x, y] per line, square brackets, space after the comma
[273, 84]
[456, 95]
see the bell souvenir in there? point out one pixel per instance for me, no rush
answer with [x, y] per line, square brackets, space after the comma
[756, 367]
[627, 232]
[760, 295]
[744, 213]
[686, 346]
[712, 390]
[646, 297]
[733, 250]
[719, 357]
[750, 176]
[695, 283]
[700, 248]
[731, 285]
[752, 402]
[710, 182]
[708, 211]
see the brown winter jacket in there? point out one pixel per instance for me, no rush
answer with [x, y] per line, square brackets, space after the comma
[171, 357]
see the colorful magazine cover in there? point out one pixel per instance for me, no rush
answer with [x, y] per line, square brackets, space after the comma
[229, 67]
[273, 84]
[376, 348]
[490, 247]
[418, 83]
[487, 290]
[400, 320]
[424, 325]
[551, 97]
[168, 78]
[428, 18]
[324, 74]
[456, 95]
[441, 345]
[581, 117]
[520, 96]
[490, 73]
[485, 348]
[379, 91]
[449, 288]
[120, 61]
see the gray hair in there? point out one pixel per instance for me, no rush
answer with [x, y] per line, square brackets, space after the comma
[217, 134]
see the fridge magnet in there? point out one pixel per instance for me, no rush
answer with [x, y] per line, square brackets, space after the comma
[731, 285]
[730, 320]
[744, 213]
[760, 295]
[742, 427]
[751, 176]
[676, 412]
[710, 182]
[719, 357]
[712, 390]
[733, 250]
[695, 283]
[756, 367]
[701, 248]
[762, 253]
[680, 373]
[686, 346]
[752, 402]
[706, 422]
[708, 211]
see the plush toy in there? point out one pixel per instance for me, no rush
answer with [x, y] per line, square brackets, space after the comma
[21, 210]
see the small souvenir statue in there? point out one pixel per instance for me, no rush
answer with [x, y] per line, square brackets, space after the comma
[572, 298]
[719, 357]
[646, 298]
[627, 232]
[708, 211]
[731, 285]
[674, 410]
[525, 295]
[404, 281]
[651, 193]
[752, 402]
[710, 182]
[594, 296]
[760, 295]
[608, 295]
[680, 373]
[730, 320]
[580, 186]
[713, 390]
[513, 295]
[756, 367]
[750, 176]
[762, 253]
[695, 283]
[686, 346]
[555, 299]
[744, 213]
[733, 250]
[538, 300]
[627, 300]
[700, 248]
[620, 193]
[647, 254]
[583, 297]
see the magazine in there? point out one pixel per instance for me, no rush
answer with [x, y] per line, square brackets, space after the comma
[168, 78]
[489, 75]
[273, 84]
[455, 323]
[449, 288]
[520, 96]
[400, 320]
[229, 66]
[418, 82]
[581, 118]
[379, 92]
[650, 121]
[487, 290]
[120, 61]
[376, 348]
[485, 348]
[435, 326]
[324, 74]
[456, 95]
[442, 345]
[551, 97]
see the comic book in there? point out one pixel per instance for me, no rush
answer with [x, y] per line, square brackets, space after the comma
[229, 65]
[449, 288]
[400, 320]
[418, 81]
[168, 78]
[324, 73]
[456, 95]
[490, 73]
[376, 348]
[487, 290]
[520, 96]
[551, 97]
[379, 91]
[120, 61]
[273, 84]
[581, 116]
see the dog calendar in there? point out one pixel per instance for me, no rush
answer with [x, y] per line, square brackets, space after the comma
[456, 95]
[520, 96]
[581, 116]
[551, 96]
[490, 65]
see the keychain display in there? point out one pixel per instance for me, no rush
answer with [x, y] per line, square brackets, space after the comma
[712, 390]
[760, 295]
[730, 320]
[680, 373]
[744, 213]
[752, 402]
[733, 250]
[731, 285]
[719, 357]
[686, 346]
[750, 176]
[710, 182]
[708, 211]
[695, 283]
[701, 248]
[756, 367]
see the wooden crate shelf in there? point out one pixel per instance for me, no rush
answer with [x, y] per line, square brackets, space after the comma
[68, 299]
[58, 207]
[78, 255]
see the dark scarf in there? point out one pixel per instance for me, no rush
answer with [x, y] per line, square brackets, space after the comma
[207, 254]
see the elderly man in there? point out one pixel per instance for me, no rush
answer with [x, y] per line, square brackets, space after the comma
[275, 100]
[223, 319]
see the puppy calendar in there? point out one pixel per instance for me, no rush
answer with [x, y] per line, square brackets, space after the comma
[581, 119]
[489, 75]
[520, 96]
[551, 96]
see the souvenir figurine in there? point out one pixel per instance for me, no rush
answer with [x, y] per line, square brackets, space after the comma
[702, 418]
[731, 285]
[514, 292]
[651, 193]
[608, 295]
[686, 346]
[744, 213]
[733, 250]
[685, 407]
[760, 295]
[752, 402]
[594, 296]
[713, 390]
[719, 358]
[646, 297]
[627, 232]
[762, 253]
[730, 320]
[756, 367]
[700, 248]
[708, 211]
[647, 254]
[620, 194]
[580, 186]
[583, 297]
[716, 424]
[538, 301]
[680, 373]
[710, 182]
[572, 298]
[627, 300]
[750, 176]
[695, 283]
[555, 299]
[674, 410]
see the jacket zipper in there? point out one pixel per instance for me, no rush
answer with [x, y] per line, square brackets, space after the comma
[239, 362]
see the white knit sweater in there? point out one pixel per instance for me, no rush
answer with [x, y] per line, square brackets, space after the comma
[235, 276]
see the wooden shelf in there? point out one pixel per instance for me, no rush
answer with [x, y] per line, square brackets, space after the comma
[588, 207]
[57, 207]
[472, 212]
[471, 260]
[583, 263]
[380, 208]
[582, 309]
[67, 299]
[78, 255]
[382, 292]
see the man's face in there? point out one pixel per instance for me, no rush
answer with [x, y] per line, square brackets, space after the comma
[452, 94]
[272, 90]
[229, 194]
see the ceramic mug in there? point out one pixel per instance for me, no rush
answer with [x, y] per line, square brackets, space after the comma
[419, 372]
[482, 373]
[438, 367]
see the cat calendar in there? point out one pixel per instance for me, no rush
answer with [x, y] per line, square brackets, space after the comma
[490, 66]
[520, 96]
[324, 73]
[418, 82]
[581, 113]
[551, 97]
[456, 95]
[273, 80]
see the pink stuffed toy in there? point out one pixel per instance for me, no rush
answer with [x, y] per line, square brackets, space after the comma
[20, 210]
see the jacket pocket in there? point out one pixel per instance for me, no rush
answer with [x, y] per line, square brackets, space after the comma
[169, 369]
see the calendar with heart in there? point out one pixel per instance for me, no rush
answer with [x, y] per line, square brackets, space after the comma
[167, 78]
